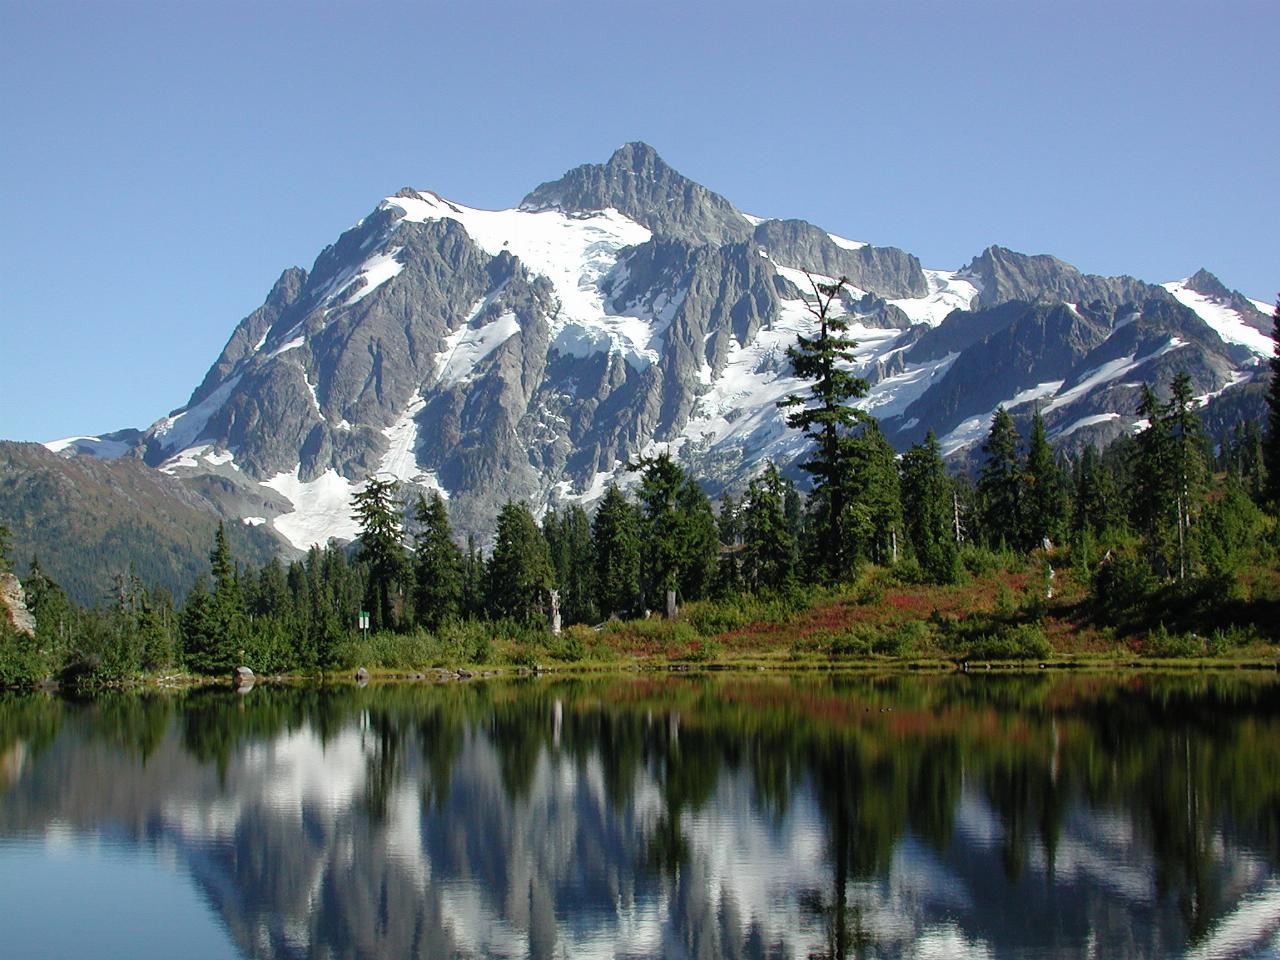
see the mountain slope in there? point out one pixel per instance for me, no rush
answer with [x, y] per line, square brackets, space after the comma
[89, 519]
[533, 352]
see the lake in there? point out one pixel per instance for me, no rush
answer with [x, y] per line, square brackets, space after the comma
[722, 815]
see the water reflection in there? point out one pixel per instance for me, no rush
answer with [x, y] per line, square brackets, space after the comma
[729, 817]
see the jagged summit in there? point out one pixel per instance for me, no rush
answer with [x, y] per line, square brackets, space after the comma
[638, 183]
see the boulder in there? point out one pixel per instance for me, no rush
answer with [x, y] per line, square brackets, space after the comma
[243, 675]
[13, 606]
[362, 676]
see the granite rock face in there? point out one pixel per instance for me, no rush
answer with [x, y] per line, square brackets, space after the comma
[13, 607]
[624, 309]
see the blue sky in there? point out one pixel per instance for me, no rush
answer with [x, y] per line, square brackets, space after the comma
[162, 162]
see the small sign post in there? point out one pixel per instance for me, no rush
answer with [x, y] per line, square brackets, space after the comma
[364, 623]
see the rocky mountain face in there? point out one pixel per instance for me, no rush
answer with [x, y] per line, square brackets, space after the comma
[623, 309]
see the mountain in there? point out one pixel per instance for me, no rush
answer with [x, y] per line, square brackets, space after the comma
[88, 519]
[624, 309]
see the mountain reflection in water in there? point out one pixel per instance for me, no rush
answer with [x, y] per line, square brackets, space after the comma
[1046, 816]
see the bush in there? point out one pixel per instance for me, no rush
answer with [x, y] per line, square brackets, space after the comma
[1010, 642]
[572, 644]
[704, 650]
[1121, 587]
[854, 642]
[711, 618]
[1163, 643]
[1233, 637]
[903, 639]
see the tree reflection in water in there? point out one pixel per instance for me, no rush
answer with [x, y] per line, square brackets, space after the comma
[727, 816]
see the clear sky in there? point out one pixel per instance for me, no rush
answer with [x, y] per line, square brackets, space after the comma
[162, 162]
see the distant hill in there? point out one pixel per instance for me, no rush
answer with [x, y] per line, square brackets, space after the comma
[88, 519]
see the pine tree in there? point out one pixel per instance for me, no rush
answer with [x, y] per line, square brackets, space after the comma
[729, 530]
[769, 562]
[519, 572]
[928, 510]
[1000, 484]
[679, 532]
[568, 536]
[1096, 500]
[215, 625]
[875, 522]
[473, 580]
[615, 540]
[1272, 448]
[1187, 462]
[828, 417]
[381, 549]
[6, 544]
[1149, 490]
[1044, 497]
[437, 564]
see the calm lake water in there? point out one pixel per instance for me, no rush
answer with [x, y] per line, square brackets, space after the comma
[724, 816]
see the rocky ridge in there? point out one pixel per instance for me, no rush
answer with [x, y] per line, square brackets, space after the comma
[622, 309]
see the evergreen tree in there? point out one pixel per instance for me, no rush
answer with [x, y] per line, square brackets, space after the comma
[729, 530]
[1096, 499]
[1169, 477]
[382, 550]
[473, 580]
[928, 510]
[519, 571]
[1187, 461]
[215, 633]
[1044, 497]
[828, 417]
[875, 521]
[679, 531]
[769, 561]
[1000, 484]
[615, 540]
[1149, 467]
[6, 544]
[437, 563]
[568, 535]
[1272, 449]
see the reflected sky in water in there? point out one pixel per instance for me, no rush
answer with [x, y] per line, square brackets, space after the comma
[688, 817]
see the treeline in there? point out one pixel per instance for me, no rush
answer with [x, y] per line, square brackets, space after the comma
[1163, 520]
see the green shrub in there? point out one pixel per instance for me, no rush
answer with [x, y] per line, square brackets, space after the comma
[711, 618]
[903, 639]
[1024, 641]
[908, 571]
[853, 642]
[704, 650]
[1164, 643]
[1122, 586]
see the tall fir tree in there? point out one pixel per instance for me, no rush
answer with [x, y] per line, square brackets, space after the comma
[1189, 476]
[1044, 494]
[568, 535]
[381, 550]
[770, 554]
[615, 541]
[678, 526]
[519, 571]
[437, 564]
[928, 510]
[215, 633]
[875, 508]
[729, 530]
[1272, 448]
[1096, 500]
[1000, 484]
[827, 416]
